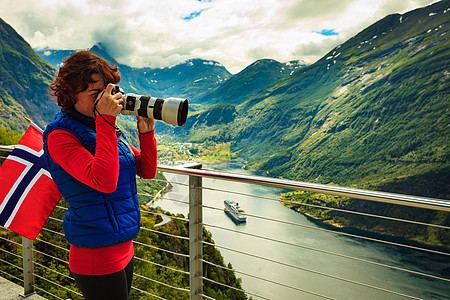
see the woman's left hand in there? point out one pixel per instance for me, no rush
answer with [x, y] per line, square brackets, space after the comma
[145, 125]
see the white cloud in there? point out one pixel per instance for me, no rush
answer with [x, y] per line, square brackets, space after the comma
[233, 32]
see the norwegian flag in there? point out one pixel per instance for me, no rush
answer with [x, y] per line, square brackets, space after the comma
[27, 192]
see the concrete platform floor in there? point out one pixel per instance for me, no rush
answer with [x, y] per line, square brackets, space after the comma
[11, 291]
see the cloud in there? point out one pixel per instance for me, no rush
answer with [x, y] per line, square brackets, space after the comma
[307, 9]
[163, 33]
[316, 49]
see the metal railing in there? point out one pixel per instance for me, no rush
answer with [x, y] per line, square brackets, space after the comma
[198, 263]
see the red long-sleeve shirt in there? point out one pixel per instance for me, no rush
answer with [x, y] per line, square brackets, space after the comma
[100, 172]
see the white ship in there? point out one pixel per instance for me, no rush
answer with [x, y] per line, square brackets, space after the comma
[233, 210]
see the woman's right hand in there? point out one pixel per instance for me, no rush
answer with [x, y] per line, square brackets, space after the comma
[109, 104]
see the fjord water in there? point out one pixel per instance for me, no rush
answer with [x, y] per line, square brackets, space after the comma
[304, 258]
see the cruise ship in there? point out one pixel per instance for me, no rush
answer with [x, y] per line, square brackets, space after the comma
[233, 210]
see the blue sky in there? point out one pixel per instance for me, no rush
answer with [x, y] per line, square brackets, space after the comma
[194, 14]
[327, 32]
[164, 33]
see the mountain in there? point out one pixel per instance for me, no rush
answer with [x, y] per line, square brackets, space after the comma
[24, 79]
[373, 112]
[190, 79]
[201, 81]
[251, 80]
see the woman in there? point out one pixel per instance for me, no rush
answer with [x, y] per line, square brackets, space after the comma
[95, 170]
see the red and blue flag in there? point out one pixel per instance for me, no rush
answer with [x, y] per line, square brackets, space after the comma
[27, 192]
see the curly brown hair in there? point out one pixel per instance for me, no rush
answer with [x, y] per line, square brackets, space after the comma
[75, 75]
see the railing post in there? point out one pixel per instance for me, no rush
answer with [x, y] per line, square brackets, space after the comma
[195, 235]
[28, 277]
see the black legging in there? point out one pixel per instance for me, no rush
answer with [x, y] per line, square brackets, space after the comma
[115, 286]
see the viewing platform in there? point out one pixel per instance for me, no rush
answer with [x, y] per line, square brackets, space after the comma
[12, 291]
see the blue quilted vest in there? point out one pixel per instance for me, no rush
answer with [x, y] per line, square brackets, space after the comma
[95, 219]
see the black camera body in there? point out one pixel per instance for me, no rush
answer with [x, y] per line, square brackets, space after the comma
[172, 111]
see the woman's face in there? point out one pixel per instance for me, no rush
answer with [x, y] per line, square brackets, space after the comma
[85, 99]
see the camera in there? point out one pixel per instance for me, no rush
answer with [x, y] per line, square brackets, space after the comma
[172, 111]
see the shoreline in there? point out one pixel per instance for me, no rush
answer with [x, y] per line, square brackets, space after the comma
[383, 235]
[337, 225]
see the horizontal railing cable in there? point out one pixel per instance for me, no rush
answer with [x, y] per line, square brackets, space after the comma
[7, 148]
[247, 292]
[48, 243]
[54, 271]
[51, 256]
[145, 195]
[206, 297]
[223, 284]
[166, 234]
[174, 183]
[61, 207]
[174, 200]
[147, 293]
[58, 285]
[11, 264]
[155, 180]
[12, 276]
[264, 279]
[173, 217]
[11, 241]
[156, 248]
[55, 219]
[326, 208]
[162, 283]
[11, 253]
[310, 270]
[162, 266]
[54, 232]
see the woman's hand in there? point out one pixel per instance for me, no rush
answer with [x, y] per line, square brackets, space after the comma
[145, 125]
[109, 104]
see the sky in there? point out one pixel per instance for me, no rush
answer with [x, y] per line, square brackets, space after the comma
[162, 33]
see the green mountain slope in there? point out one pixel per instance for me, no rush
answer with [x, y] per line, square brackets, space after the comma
[250, 81]
[373, 112]
[24, 78]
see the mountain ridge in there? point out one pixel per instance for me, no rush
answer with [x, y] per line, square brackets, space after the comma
[251, 80]
[24, 81]
[182, 79]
